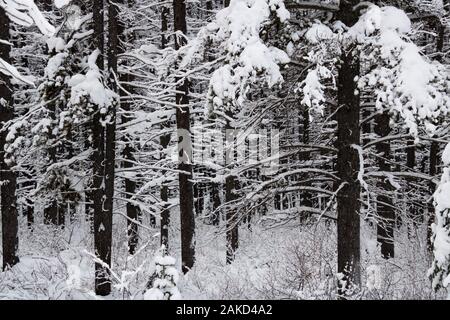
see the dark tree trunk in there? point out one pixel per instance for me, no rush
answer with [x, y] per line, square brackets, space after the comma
[434, 148]
[10, 240]
[198, 196]
[105, 233]
[232, 227]
[51, 213]
[215, 186]
[185, 153]
[164, 140]
[215, 189]
[306, 196]
[165, 217]
[411, 164]
[348, 166]
[28, 206]
[102, 203]
[133, 211]
[385, 211]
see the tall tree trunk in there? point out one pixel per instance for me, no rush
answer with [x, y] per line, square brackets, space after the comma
[232, 227]
[10, 240]
[385, 211]
[185, 153]
[164, 141]
[215, 186]
[101, 180]
[52, 214]
[28, 206]
[434, 148]
[133, 211]
[411, 164]
[306, 196]
[348, 164]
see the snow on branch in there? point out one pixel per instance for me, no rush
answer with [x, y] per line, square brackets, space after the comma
[11, 71]
[313, 5]
[439, 273]
[236, 32]
[404, 81]
[26, 13]
[412, 86]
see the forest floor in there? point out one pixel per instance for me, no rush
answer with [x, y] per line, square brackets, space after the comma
[287, 262]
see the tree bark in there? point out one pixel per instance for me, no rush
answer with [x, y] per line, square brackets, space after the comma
[348, 166]
[411, 164]
[434, 148]
[232, 226]
[385, 211]
[52, 214]
[28, 206]
[185, 153]
[102, 179]
[10, 240]
[306, 196]
[164, 141]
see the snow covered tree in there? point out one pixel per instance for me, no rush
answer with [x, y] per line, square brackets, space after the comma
[185, 147]
[7, 176]
[163, 282]
[24, 13]
[439, 272]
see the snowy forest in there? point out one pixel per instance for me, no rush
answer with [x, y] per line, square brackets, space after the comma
[225, 149]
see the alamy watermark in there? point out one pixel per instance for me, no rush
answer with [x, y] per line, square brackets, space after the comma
[228, 148]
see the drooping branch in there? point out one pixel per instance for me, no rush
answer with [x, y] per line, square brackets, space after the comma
[312, 5]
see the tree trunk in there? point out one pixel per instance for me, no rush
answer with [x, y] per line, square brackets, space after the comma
[411, 164]
[385, 211]
[132, 211]
[28, 206]
[101, 180]
[10, 240]
[215, 189]
[185, 153]
[164, 140]
[306, 196]
[232, 227]
[434, 148]
[215, 186]
[52, 215]
[348, 166]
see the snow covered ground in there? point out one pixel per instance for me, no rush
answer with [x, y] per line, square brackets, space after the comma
[289, 262]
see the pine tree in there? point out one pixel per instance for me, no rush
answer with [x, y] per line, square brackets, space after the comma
[185, 148]
[164, 141]
[348, 164]
[10, 240]
[164, 279]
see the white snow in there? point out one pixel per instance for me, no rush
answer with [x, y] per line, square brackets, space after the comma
[236, 29]
[62, 3]
[374, 278]
[91, 85]
[26, 13]
[319, 32]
